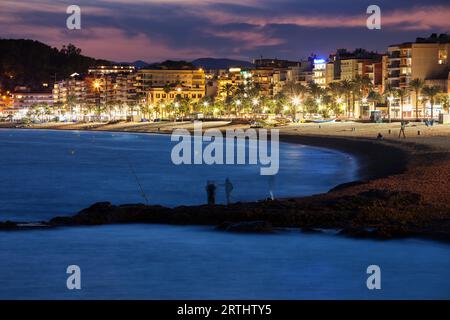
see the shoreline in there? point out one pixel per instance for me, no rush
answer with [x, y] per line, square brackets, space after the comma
[359, 208]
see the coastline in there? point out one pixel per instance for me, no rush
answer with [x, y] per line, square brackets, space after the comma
[359, 208]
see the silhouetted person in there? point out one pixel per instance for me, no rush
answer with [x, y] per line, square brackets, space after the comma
[228, 190]
[380, 136]
[402, 130]
[211, 192]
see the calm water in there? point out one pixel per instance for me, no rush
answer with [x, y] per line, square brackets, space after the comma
[44, 173]
[50, 173]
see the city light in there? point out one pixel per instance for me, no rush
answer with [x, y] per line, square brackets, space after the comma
[339, 100]
[238, 102]
[296, 101]
[96, 84]
[255, 102]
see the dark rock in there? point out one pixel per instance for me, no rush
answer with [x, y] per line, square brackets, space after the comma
[8, 225]
[310, 230]
[391, 232]
[356, 232]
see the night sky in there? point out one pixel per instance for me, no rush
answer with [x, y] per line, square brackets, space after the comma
[154, 30]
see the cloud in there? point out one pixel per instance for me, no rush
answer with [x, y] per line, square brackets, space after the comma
[248, 40]
[415, 18]
[157, 29]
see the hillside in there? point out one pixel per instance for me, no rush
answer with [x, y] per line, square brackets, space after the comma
[31, 63]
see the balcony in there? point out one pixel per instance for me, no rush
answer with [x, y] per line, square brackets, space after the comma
[394, 65]
[394, 74]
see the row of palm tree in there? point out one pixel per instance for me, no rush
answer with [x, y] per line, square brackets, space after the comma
[340, 98]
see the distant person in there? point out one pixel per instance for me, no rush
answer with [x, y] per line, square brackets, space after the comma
[211, 192]
[228, 190]
[402, 130]
[380, 136]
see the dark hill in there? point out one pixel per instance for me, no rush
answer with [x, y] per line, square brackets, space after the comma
[31, 63]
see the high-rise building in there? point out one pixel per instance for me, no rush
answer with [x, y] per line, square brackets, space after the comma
[320, 73]
[425, 59]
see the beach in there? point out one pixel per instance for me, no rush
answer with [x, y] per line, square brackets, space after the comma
[403, 188]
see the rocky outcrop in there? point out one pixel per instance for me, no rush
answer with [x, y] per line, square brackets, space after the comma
[8, 225]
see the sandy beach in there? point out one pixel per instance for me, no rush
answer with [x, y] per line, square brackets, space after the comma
[403, 187]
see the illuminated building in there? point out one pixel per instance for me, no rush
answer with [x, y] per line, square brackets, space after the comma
[319, 72]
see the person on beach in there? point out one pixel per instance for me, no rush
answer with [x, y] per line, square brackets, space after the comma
[402, 130]
[228, 190]
[211, 192]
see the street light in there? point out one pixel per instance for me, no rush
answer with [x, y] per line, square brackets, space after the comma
[296, 101]
[339, 100]
[96, 84]
[255, 102]
[238, 102]
[364, 100]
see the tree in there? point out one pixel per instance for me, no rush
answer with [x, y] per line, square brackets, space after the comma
[389, 95]
[444, 97]
[375, 98]
[361, 87]
[227, 91]
[295, 93]
[71, 102]
[402, 93]
[347, 89]
[416, 85]
[431, 92]
[334, 90]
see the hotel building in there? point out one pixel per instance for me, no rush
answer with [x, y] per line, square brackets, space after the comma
[425, 59]
[166, 85]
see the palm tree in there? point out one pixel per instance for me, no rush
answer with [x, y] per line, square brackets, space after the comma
[227, 91]
[402, 93]
[71, 101]
[444, 97]
[362, 86]
[416, 85]
[167, 88]
[431, 92]
[296, 93]
[335, 91]
[375, 98]
[347, 89]
[389, 94]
